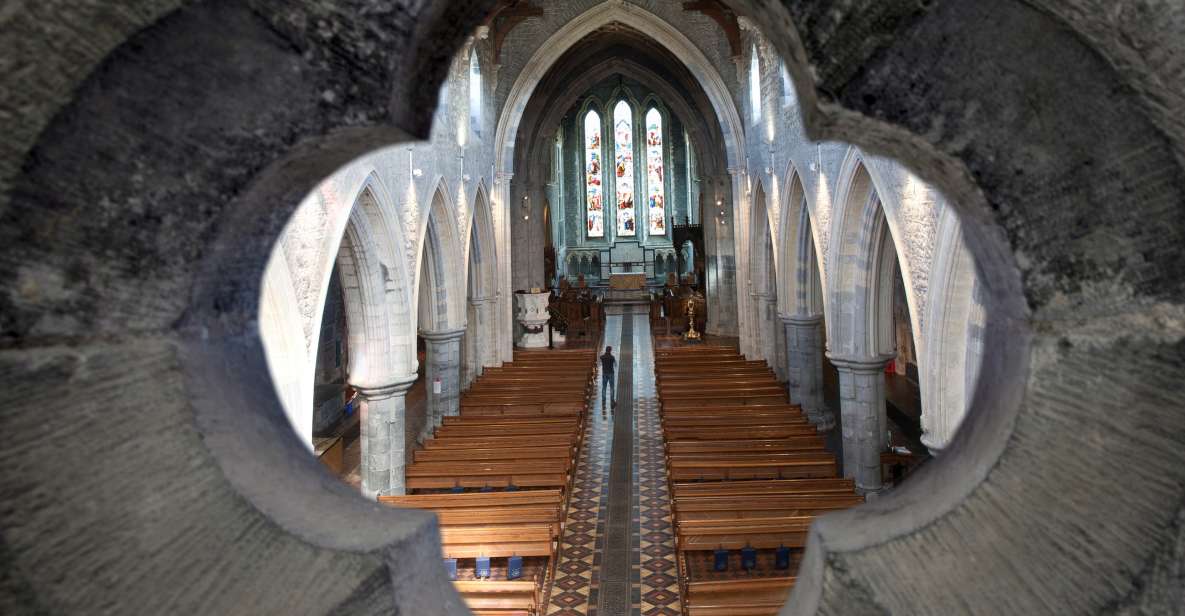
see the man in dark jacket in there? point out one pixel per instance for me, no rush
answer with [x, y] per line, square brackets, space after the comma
[608, 383]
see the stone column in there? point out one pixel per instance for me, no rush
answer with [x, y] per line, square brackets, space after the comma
[804, 367]
[768, 332]
[443, 361]
[383, 410]
[480, 339]
[488, 353]
[862, 410]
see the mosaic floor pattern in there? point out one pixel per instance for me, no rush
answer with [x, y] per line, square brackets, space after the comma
[579, 555]
[654, 589]
[659, 578]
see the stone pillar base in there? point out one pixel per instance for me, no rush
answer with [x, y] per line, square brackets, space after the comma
[862, 403]
[383, 411]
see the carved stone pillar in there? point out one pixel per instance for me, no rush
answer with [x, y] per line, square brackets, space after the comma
[768, 332]
[804, 368]
[382, 413]
[480, 340]
[443, 363]
[862, 409]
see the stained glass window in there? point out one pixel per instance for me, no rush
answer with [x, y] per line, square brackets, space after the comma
[623, 165]
[595, 204]
[655, 191]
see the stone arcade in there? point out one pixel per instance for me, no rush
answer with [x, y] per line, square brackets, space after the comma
[939, 244]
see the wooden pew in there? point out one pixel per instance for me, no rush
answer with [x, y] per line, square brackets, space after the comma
[836, 485]
[499, 597]
[751, 597]
[708, 469]
[474, 499]
[520, 424]
[499, 441]
[746, 469]
[723, 445]
[760, 533]
[523, 474]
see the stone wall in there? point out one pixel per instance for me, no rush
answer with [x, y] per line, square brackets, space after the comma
[141, 201]
[779, 153]
[446, 176]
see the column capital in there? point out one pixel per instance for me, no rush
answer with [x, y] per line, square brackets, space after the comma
[860, 364]
[478, 301]
[396, 387]
[443, 335]
[803, 320]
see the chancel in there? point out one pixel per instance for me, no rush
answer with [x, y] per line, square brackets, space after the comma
[535, 308]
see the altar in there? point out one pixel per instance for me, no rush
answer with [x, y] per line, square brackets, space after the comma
[627, 281]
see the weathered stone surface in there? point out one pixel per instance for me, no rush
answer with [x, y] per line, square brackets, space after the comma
[136, 228]
[161, 475]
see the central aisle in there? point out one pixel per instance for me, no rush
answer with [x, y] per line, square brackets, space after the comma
[617, 554]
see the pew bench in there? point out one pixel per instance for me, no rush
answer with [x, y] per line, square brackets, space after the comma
[724, 445]
[821, 466]
[499, 597]
[834, 485]
[746, 597]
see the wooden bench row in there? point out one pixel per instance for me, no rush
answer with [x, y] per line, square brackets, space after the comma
[517, 439]
[746, 470]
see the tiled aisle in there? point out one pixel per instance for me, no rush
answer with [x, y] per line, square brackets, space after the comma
[659, 583]
[653, 587]
[579, 556]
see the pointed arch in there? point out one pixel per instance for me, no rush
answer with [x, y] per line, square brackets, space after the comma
[801, 275]
[867, 256]
[439, 267]
[641, 20]
[954, 336]
[363, 242]
[479, 347]
[762, 281]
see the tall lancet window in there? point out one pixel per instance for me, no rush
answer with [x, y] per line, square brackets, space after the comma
[594, 195]
[623, 167]
[474, 94]
[754, 85]
[655, 171]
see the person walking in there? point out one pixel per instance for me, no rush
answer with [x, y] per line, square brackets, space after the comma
[608, 382]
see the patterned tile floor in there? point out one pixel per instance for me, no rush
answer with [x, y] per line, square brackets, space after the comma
[659, 579]
[580, 547]
[654, 587]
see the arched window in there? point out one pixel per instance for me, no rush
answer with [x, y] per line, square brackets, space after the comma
[623, 167]
[655, 171]
[474, 94]
[594, 204]
[754, 85]
[787, 87]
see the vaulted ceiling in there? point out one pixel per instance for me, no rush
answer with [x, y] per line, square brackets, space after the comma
[617, 50]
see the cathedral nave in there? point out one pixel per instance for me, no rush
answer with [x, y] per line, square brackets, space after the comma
[592, 307]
